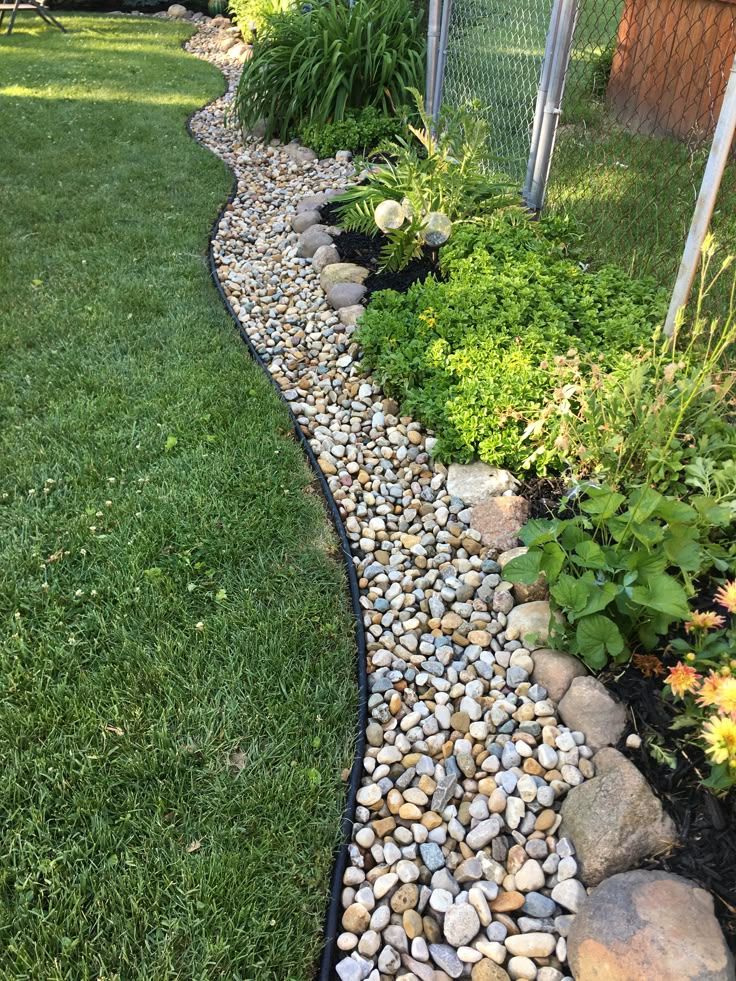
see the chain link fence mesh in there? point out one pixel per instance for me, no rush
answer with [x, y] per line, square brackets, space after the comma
[494, 58]
[644, 87]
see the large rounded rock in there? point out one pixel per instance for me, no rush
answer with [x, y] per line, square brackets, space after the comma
[345, 295]
[589, 707]
[349, 316]
[640, 925]
[326, 255]
[474, 483]
[499, 521]
[177, 10]
[304, 220]
[556, 671]
[614, 819]
[342, 272]
[312, 239]
[529, 623]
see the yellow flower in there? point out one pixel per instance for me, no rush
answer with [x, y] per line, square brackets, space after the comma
[720, 735]
[726, 696]
[708, 694]
[726, 596]
[682, 678]
[706, 620]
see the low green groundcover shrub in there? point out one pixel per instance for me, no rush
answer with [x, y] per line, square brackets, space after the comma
[314, 65]
[473, 357]
[361, 130]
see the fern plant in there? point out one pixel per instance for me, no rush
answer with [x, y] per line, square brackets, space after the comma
[443, 169]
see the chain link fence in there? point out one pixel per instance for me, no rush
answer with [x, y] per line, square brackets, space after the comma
[644, 86]
[494, 58]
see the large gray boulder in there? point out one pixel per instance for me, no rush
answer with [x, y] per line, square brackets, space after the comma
[642, 926]
[589, 707]
[556, 671]
[614, 819]
[474, 483]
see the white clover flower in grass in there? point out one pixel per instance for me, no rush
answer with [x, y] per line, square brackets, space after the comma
[389, 215]
[436, 229]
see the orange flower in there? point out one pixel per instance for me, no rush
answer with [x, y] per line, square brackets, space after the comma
[682, 678]
[720, 735]
[726, 596]
[726, 696]
[707, 620]
[708, 694]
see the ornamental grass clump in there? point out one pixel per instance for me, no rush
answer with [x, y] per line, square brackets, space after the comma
[314, 65]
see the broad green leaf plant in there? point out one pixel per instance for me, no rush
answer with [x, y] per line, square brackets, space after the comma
[620, 569]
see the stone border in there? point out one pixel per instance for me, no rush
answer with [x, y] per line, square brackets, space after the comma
[456, 866]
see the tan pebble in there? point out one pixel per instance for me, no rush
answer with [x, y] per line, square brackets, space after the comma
[385, 826]
[432, 931]
[405, 898]
[395, 704]
[394, 800]
[506, 901]
[545, 820]
[460, 721]
[427, 784]
[415, 796]
[431, 820]
[531, 766]
[486, 786]
[412, 923]
[410, 812]
[356, 918]
[480, 637]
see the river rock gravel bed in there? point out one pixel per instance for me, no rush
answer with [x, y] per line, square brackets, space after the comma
[457, 865]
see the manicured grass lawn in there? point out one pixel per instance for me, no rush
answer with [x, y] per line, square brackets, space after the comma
[176, 650]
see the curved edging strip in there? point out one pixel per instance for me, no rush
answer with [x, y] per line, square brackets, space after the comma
[332, 921]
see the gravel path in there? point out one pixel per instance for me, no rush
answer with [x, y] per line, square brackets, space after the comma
[456, 866]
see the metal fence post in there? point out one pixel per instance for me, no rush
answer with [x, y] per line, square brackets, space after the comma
[720, 148]
[433, 34]
[442, 59]
[549, 100]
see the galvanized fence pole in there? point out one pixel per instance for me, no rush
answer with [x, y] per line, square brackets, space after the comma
[433, 36]
[720, 148]
[549, 100]
[442, 60]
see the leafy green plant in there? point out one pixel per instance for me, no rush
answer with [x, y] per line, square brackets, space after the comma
[437, 172]
[251, 15]
[361, 130]
[620, 570]
[473, 357]
[316, 65]
[662, 416]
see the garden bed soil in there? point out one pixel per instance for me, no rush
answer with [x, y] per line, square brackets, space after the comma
[365, 250]
[706, 824]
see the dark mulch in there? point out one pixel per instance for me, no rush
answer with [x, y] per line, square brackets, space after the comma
[365, 250]
[706, 824]
[544, 495]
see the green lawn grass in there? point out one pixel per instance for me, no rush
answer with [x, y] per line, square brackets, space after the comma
[176, 649]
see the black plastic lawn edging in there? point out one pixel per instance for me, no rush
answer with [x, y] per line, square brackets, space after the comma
[326, 969]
